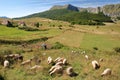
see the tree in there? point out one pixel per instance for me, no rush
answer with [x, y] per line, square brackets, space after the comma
[37, 24]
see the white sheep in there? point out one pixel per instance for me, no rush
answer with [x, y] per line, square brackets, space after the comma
[69, 71]
[56, 69]
[6, 63]
[59, 63]
[26, 62]
[35, 68]
[106, 72]
[86, 56]
[64, 61]
[59, 59]
[49, 60]
[95, 64]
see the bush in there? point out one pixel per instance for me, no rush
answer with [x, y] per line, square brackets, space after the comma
[59, 25]
[1, 77]
[9, 24]
[57, 45]
[26, 28]
[95, 48]
[117, 49]
[6, 52]
[37, 24]
[71, 26]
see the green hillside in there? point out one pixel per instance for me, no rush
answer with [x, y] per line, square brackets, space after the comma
[73, 17]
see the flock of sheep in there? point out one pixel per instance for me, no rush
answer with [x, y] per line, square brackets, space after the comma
[57, 66]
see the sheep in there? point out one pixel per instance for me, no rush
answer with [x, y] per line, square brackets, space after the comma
[57, 59]
[35, 68]
[6, 64]
[59, 63]
[36, 60]
[63, 60]
[101, 59]
[49, 60]
[70, 72]
[86, 56]
[18, 57]
[95, 64]
[26, 62]
[14, 57]
[55, 69]
[106, 72]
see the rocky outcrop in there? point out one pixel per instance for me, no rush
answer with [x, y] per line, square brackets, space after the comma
[68, 6]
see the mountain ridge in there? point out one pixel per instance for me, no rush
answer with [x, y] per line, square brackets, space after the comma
[112, 10]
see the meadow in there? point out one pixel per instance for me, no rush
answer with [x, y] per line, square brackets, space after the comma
[78, 38]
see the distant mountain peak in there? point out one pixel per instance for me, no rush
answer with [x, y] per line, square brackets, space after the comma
[67, 6]
[4, 17]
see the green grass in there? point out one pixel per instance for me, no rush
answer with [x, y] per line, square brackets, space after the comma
[102, 42]
[16, 34]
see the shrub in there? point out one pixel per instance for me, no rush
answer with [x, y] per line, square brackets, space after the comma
[71, 26]
[57, 45]
[37, 24]
[59, 25]
[9, 24]
[1, 77]
[26, 28]
[95, 48]
[6, 52]
[117, 49]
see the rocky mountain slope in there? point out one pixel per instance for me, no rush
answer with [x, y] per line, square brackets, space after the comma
[112, 10]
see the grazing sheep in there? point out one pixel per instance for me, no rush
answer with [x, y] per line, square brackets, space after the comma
[86, 56]
[101, 59]
[57, 59]
[36, 60]
[35, 68]
[26, 62]
[6, 64]
[56, 69]
[14, 57]
[95, 64]
[63, 60]
[18, 57]
[59, 63]
[49, 60]
[106, 72]
[70, 72]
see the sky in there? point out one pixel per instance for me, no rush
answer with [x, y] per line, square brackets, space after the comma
[19, 8]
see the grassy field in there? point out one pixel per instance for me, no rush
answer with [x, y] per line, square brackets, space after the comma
[77, 38]
[17, 34]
